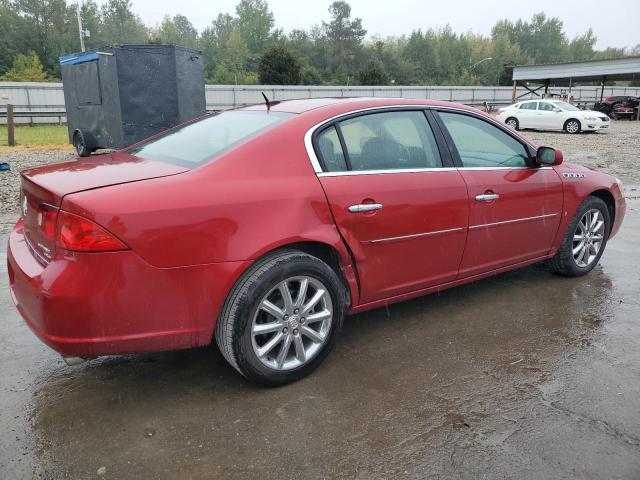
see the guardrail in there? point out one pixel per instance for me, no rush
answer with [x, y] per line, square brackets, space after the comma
[40, 99]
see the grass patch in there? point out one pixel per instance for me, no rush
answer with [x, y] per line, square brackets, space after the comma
[36, 136]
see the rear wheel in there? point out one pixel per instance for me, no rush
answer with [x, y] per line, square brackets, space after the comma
[585, 239]
[513, 123]
[572, 126]
[83, 142]
[282, 318]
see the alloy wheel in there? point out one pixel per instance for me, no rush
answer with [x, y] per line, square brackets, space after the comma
[588, 238]
[292, 323]
[573, 126]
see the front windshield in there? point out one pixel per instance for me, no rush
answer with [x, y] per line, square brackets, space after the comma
[200, 141]
[567, 106]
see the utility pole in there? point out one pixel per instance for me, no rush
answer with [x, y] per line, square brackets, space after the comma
[80, 26]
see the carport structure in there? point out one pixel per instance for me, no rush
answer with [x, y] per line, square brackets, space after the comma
[568, 74]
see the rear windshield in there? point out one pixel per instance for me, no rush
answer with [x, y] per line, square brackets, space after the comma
[198, 142]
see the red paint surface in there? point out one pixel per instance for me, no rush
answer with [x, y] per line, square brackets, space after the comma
[192, 233]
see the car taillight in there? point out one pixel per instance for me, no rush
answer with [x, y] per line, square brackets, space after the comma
[78, 234]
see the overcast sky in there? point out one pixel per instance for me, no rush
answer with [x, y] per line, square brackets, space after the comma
[616, 23]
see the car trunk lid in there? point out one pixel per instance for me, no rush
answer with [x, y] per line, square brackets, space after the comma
[43, 189]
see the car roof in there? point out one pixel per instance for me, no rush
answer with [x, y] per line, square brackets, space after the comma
[345, 104]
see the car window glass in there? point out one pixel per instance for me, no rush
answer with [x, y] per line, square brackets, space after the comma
[529, 106]
[331, 151]
[390, 140]
[481, 144]
[201, 141]
[546, 106]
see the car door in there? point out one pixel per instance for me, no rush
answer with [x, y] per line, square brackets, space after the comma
[514, 206]
[547, 118]
[527, 114]
[398, 203]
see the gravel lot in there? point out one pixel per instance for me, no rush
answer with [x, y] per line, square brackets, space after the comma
[615, 151]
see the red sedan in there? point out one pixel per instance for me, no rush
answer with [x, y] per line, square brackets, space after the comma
[261, 227]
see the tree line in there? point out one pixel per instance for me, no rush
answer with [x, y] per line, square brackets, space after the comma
[248, 48]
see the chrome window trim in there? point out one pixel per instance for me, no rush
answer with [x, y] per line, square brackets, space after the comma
[315, 163]
[515, 220]
[348, 173]
[416, 235]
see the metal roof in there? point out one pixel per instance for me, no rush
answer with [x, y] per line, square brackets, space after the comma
[626, 68]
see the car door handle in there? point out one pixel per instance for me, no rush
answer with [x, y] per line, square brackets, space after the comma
[365, 207]
[487, 197]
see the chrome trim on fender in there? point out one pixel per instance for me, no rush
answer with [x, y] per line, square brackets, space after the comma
[416, 235]
[515, 220]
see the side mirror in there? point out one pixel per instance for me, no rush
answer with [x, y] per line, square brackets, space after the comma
[548, 156]
[556, 109]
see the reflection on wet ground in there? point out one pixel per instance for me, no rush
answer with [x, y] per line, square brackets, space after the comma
[525, 375]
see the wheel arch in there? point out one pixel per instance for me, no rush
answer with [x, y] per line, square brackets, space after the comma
[607, 197]
[564, 125]
[341, 262]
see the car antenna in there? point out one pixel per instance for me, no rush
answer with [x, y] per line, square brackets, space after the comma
[269, 103]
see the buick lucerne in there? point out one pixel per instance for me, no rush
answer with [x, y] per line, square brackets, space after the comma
[259, 228]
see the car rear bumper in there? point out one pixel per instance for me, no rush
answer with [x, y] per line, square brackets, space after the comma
[92, 304]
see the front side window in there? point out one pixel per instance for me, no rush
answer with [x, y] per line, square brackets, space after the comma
[546, 107]
[390, 140]
[201, 141]
[481, 144]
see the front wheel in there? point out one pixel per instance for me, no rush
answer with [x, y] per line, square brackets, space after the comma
[585, 239]
[282, 318]
[572, 126]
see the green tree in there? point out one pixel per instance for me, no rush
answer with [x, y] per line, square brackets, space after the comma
[26, 68]
[373, 73]
[47, 30]
[344, 37]
[213, 41]
[581, 47]
[278, 66]
[121, 25]
[236, 55]
[255, 22]
[92, 21]
[11, 36]
[176, 31]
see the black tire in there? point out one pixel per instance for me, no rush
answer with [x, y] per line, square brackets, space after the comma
[564, 262]
[572, 126]
[513, 123]
[233, 330]
[83, 142]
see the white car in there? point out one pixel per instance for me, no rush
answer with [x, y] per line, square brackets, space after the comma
[552, 115]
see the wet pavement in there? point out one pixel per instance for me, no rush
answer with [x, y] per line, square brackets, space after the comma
[524, 375]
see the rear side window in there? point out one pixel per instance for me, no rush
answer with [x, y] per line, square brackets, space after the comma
[388, 140]
[331, 151]
[198, 142]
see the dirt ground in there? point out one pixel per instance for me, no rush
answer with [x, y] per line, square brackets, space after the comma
[525, 375]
